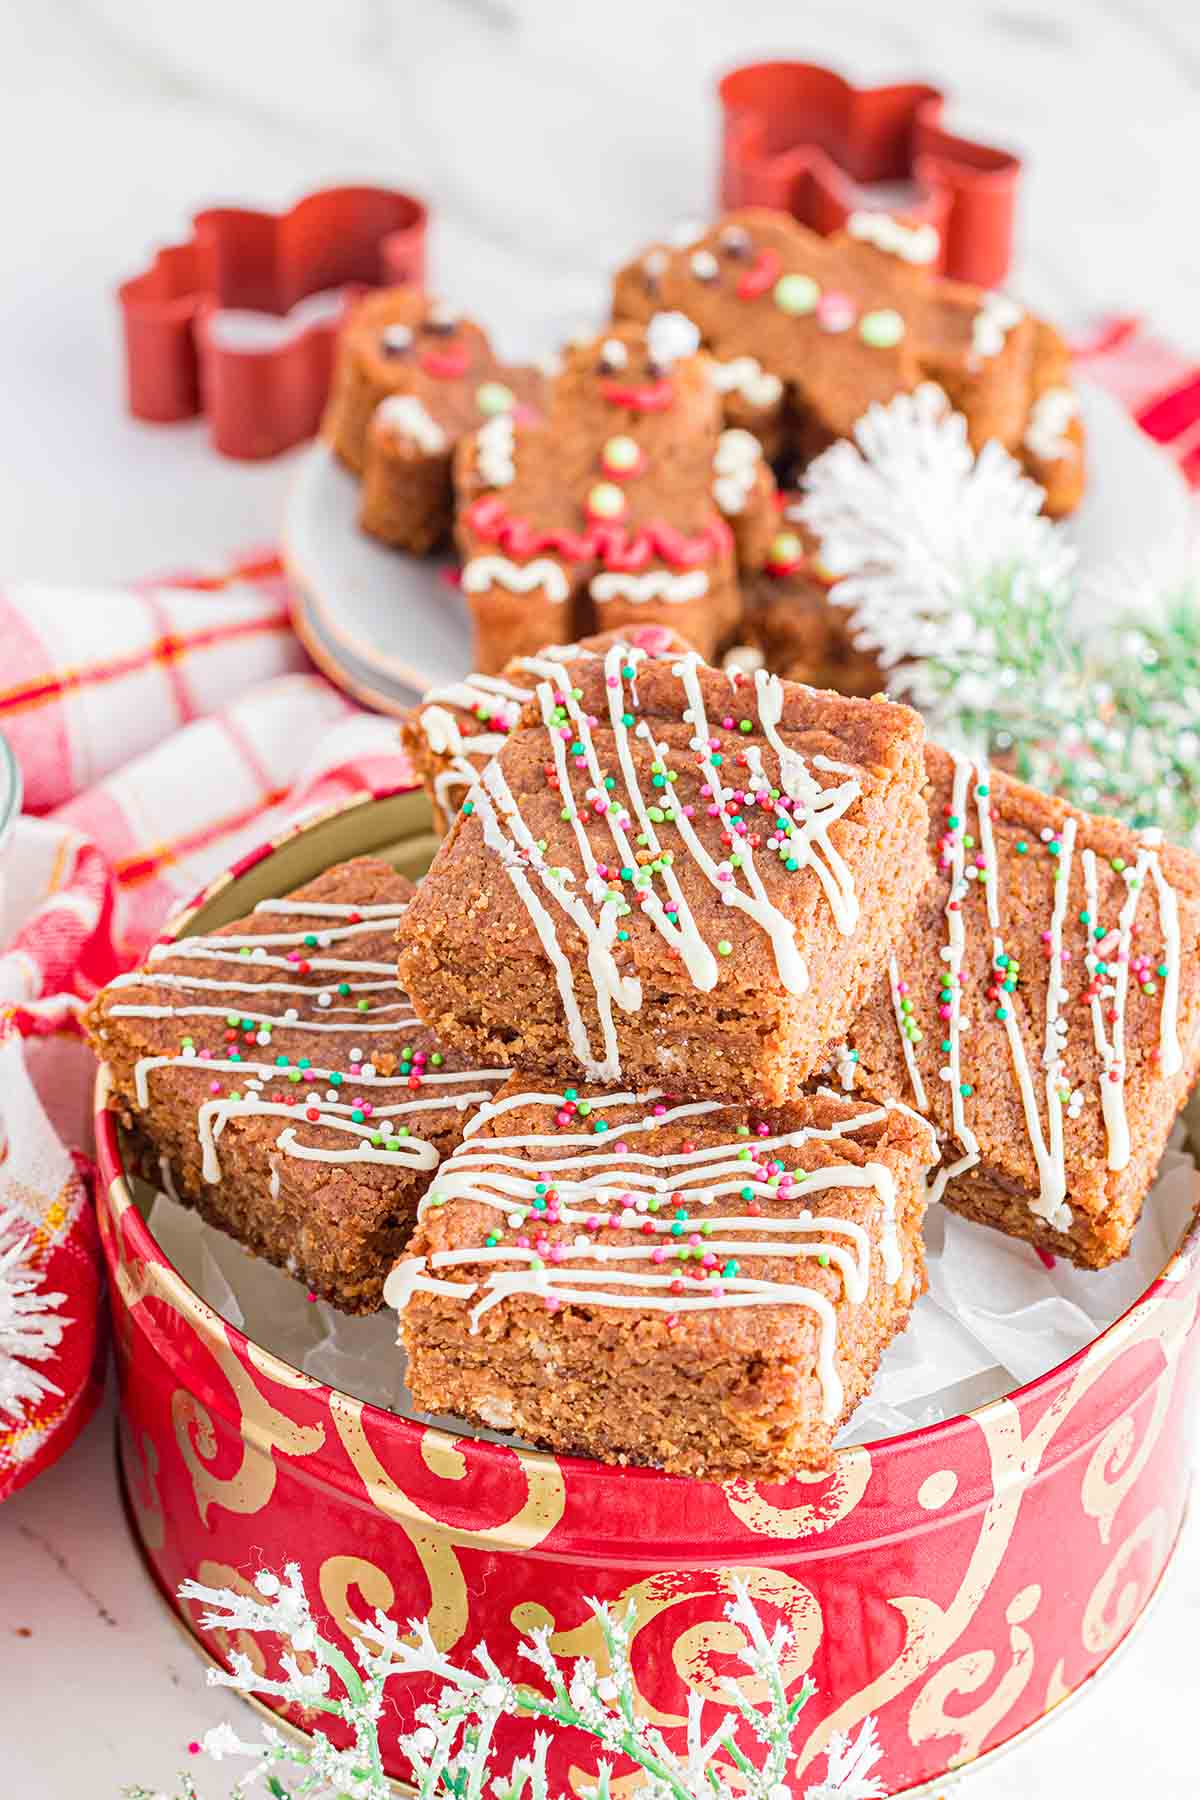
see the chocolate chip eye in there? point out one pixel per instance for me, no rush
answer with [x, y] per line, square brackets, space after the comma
[613, 356]
[394, 340]
[705, 266]
[735, 240]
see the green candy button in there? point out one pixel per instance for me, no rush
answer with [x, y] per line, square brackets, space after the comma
[493, 397]
[881, 330]
[796, 294]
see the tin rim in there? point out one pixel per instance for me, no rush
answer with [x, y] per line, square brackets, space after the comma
[127, 1218]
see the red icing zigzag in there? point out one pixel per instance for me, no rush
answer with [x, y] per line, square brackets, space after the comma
[610, 544]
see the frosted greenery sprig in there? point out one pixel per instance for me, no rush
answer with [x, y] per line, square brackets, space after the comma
[31, 1323]
[976, 607]
[450, 1748]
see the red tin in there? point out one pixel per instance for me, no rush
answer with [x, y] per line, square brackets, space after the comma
[261, 398]
[957, 1582]
[799, 137]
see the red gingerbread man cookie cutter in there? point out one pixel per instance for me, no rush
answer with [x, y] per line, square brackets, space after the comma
[262, 390]
[799, 137]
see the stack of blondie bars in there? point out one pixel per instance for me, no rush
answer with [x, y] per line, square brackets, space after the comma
[715, 981]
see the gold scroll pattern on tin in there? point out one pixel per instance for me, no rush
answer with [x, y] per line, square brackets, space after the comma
[435, 1543]
[263, 1428]
[1015, 1457]
[695, 1648]
[841, 1493]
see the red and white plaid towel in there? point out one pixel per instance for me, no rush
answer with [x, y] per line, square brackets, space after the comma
[162, 731]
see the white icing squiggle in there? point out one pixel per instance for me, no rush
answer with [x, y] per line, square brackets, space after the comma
[736, 464]
[1052, 415]
[656, 584]
[495, 451]
[746, 376]
[992, 323]
[328, 1098]
[953, 955]
[483, 572]
[404, 414]
[915, 244]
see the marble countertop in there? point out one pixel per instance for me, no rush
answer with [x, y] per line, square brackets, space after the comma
[550, 138]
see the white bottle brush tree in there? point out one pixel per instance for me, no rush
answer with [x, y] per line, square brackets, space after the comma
[744, 1754]
[1087, 684]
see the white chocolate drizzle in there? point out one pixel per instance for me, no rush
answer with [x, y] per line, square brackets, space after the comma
[953, 954]
[326, 1098]
[505, 833]
[1107, 957]
[593, 1180]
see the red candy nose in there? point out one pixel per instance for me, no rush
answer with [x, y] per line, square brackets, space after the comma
[446, 364]
[762, 274]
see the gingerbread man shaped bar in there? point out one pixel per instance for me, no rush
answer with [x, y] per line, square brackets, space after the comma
[411, 377]
[627, 505]
[808, 331]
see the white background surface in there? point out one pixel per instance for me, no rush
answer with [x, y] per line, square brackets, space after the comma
[550, 137]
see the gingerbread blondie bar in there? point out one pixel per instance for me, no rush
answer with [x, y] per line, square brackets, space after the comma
[1043, 1009]
[703, 1287]
[671, 874]
[277, 1081]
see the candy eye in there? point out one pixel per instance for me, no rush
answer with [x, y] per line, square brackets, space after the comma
[735, 240]
[705, 266]
[394, 340]
[613, 356]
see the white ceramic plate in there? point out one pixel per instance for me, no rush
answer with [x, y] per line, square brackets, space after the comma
[386, 626]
